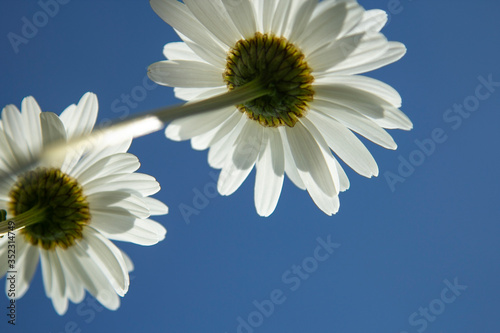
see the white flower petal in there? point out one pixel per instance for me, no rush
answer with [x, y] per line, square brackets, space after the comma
[74, 290]
[373, 21]
[81, 119]
[290, 167]
[212, 14]
[312, 168]
[128, 229]
[356, 122]
[270, 173]
[370, 56]
[363, 83]
[345, 144]
[243, 157]
[180, 18]
[119, 203]
[26, 267]
[332, 54]
[110, 165]
[189, 94]
[299, 17]
[180, 51]
[329, 25]
[14, 134]
[243, 16]
[280, 18]
[128, 261]
[53, 278]
[185, 73]
[188, 127]
[203, 141]
[31, 118]
[156, 207]
[93, 278]
[109, 260]
[222, 148]
[130, 183]
[366, 103]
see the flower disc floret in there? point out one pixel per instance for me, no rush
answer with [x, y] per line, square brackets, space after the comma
[280, 67]
[60, 209]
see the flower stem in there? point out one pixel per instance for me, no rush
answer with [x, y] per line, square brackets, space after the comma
[30, 217]
[148, 122]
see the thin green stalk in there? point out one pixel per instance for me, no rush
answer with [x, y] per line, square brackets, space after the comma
[30, 217]
[145, 123]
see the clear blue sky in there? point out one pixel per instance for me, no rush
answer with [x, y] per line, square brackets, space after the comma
[399, 250]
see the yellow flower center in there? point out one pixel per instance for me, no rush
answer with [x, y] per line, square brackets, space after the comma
[281, 68]
[60, 208]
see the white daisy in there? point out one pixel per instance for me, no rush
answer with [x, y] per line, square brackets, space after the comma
[306, 54]
[66, 212]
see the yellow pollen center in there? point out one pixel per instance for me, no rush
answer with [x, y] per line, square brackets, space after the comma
[280, 66]
[63, 208]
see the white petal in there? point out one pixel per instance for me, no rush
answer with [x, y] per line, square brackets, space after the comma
[357, 82]
[219, 151]
[203, 141]
[343, 179]
[189, 94]
[312, 168]
[27, 267]
[55, 287]
[372, 21]
[185, 73]
[138, 231]
[242, 158]
[75, 288]
[119, 203]
[212, 14]
[280, 18]
[345, 144]
[290, 167]
[369, 57]
[270, 173]
[365, 103]
[332, 54]
[31, 119]
[91, 275]
[265, 12]
[181, 19]
[100, 151]
[128, 261]
[180, 51]
[114, 164]
[156, 207]
[81, 119]
[188, 127]
[131, 183]
[356, 122]
[109, 260]
[299, 17]
[14, 134]
[329, 25]
[243, 16]
[53, 131]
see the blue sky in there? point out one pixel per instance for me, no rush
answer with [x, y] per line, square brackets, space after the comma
[414, 250]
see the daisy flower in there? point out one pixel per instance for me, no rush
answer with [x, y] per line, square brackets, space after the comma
[64, 213]
[306, 55]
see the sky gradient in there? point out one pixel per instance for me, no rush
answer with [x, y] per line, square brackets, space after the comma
[414, 250]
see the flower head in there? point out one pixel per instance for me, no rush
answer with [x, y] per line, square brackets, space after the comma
[66, 212]
[306, 56]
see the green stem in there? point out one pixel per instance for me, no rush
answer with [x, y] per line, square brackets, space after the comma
[146, 123]
[30, 217]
